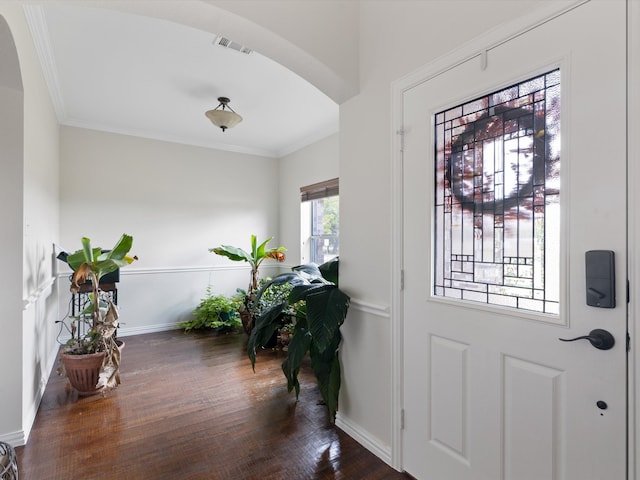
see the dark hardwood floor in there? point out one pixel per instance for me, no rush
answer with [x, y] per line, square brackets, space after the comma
[190, 407]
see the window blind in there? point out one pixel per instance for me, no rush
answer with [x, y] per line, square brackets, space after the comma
[325, 189]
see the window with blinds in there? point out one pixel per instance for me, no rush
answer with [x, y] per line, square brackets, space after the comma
[320, 221]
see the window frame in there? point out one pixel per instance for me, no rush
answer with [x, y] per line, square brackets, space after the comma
[308, 196]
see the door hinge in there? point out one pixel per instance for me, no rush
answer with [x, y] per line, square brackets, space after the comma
[628, 290]
[401, 133]
[628, 342]
[401, 279]
[402, 419]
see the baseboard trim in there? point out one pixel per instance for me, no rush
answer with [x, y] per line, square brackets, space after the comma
[364, 438]
[162, 327]
[15, 439]
[30, 416]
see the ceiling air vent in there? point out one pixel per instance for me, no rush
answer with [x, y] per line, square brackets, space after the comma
[226, 43]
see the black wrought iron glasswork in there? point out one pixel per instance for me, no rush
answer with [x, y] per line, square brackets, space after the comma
[497, 197]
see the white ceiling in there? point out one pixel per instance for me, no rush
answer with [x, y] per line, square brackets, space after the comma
[147, 77]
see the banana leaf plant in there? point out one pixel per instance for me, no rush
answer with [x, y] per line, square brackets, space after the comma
[320, 308]
[254, 258]
[101, 314]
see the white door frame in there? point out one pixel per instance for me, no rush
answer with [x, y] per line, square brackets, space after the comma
[478, 48]
[633, 255]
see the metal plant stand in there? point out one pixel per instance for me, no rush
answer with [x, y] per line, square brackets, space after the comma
[80, 301]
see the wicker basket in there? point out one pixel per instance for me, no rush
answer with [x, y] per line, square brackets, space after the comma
[8, 463]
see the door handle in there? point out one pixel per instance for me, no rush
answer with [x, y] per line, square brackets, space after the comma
[601, 339]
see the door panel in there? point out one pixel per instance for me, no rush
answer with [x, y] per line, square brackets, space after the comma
[490, 392]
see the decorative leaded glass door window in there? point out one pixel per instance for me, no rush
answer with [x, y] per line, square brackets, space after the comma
[497, 197]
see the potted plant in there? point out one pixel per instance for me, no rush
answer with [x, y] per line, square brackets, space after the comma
[271, 294]
[218, 312]
[91, 357]
[319, 308]
[258, 254]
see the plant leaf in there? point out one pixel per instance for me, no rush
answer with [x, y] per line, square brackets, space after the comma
[298, 347]
[98, 262]
[120, 250]
[311, 273]
[326, 310]
[232, 253]
[310, 269]
[263, 330]
[282, 279]
[330, 270]
[326, 366]
[87, 250]
[302, 290]
[259, 253]
[77, 258]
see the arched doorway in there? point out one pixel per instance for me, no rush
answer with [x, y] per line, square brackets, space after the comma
[11, 235]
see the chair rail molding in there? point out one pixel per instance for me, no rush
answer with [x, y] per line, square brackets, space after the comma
[42, 291]
[371, 308]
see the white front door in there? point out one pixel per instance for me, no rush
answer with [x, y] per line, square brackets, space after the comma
[494, 243]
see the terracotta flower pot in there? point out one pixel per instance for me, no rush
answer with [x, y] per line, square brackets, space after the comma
[83, 371]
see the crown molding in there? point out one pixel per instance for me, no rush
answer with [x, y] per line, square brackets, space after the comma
[37, 23]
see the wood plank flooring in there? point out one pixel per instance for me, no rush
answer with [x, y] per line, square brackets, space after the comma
[190, 407]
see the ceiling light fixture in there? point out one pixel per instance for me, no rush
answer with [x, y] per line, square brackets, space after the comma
[223, 115]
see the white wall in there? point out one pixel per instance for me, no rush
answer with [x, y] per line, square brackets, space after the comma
[313, 164]
[177, 201]
[30, 222]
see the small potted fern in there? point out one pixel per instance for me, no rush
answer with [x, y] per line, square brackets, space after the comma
[217, 312]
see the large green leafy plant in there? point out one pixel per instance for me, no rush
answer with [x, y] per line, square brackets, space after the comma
[254, 258]
[320, 308]
[100, 317]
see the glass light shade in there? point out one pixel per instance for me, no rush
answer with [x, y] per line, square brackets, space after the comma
[223, 118]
